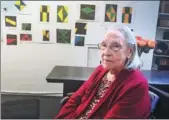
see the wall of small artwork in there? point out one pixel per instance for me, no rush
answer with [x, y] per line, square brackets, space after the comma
[37, 35]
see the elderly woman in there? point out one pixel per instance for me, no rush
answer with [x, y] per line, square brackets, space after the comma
[117, 88]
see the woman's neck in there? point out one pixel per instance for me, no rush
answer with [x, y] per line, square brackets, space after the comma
[115, 72]
[111, 77]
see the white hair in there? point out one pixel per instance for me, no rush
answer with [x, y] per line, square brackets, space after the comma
[134, 61]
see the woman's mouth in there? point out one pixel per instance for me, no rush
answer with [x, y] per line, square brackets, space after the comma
[107, 60]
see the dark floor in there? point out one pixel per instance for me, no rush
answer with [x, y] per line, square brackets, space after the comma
[43, 106]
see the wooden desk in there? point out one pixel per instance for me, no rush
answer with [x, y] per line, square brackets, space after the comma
[73, 77]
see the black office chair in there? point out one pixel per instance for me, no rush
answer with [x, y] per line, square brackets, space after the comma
[162, 108]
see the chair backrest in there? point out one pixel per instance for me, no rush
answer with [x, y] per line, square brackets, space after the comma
[154, 99]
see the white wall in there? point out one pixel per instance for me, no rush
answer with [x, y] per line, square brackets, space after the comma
[24, 67]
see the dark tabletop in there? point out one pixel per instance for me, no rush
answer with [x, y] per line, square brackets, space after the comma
[61, 74]
[157, 77]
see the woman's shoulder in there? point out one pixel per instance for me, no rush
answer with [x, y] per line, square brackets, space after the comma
[135, 78]
[135, 82]
[137, 75]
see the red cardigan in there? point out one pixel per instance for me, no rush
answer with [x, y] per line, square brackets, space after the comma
[127, 97]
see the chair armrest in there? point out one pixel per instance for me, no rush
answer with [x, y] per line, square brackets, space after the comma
[154, 99]
[64, 100]
[69, 94]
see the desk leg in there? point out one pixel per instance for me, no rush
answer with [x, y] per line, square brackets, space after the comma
[71, 86]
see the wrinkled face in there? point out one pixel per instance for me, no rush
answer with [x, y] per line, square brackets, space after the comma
[114, 51]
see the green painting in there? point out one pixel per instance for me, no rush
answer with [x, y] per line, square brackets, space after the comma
[26, 26]
[63, 36]
[87, 12]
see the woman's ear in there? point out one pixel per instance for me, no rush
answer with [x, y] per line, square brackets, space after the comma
[129, 53]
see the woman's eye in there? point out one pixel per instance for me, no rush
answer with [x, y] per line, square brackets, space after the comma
[103, 45]
[117, 46]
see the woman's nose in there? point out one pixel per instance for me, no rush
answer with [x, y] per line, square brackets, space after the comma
[107, 50]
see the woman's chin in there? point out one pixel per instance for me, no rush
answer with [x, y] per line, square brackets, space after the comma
[106, 66]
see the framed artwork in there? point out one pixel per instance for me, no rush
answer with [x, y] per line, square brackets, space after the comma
[62, 14]
[45, 35]
[110, 13]
[20, 5]
[26, 26]
[44, 13]
[63, 36]
[79, 40]
[127, 14]
[10, 21]
[87, 12]
[26, 37]
[80, 28]
[11, 39]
